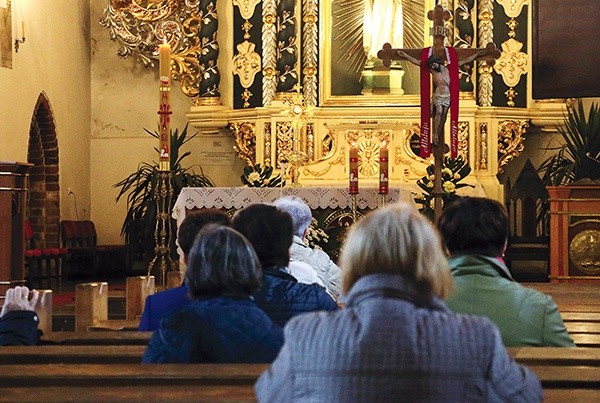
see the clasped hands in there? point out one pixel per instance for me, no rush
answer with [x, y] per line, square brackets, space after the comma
[17, 299]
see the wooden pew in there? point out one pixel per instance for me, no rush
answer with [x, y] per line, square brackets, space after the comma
[94, 382]
[114, 373]
[72, 354]
[204, 382]
[571, 297]
[108, 337]
[556, 355]
[115, 353]
[580, 316]
[91, 304]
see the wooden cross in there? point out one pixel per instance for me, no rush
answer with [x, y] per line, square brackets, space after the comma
[436, 59]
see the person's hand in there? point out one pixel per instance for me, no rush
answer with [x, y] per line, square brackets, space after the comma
[17, 299]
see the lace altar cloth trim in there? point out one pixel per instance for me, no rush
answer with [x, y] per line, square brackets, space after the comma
[315, 197]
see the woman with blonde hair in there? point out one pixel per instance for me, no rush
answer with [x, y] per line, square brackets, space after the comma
[396, 339]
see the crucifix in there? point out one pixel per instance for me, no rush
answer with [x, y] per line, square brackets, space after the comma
[442, 64]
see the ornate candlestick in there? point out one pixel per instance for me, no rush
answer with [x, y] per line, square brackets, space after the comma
[163, 192]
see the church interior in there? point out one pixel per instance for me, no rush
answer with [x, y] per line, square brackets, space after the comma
[268, 98]
[81, 79]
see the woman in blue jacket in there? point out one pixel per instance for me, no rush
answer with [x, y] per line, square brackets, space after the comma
[222, 324]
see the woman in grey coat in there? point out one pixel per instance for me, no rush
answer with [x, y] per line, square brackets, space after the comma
[395, 340]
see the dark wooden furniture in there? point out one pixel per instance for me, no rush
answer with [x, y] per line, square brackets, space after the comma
[87, 259]
[527, 252]
[574, 231]
[14, 183]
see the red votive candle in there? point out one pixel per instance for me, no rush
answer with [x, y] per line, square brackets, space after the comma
[383, 170]
[353, 178]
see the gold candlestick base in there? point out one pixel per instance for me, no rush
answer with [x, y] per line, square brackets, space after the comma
[296, 159]
[162, 233]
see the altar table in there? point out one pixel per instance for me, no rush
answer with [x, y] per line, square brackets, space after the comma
[331, 207]
[316, 197]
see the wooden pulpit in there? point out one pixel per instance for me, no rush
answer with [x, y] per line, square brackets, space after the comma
[14, 184]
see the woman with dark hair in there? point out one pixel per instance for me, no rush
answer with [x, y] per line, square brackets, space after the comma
[222, 324]
[395, 340]
[475, 231]
[270, 231]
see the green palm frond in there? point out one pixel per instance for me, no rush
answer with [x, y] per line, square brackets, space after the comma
[139, 190]
[581, 137]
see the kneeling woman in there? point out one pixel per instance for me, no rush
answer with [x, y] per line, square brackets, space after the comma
[396, 340]
[222, 324]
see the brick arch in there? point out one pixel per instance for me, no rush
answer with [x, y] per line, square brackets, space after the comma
[44, 203]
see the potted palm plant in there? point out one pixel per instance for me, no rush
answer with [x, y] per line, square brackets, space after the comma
[572, 177]
[139, 190]
[576, 161]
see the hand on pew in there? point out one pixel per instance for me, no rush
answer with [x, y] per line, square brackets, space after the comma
[18, 320]
[17, 299]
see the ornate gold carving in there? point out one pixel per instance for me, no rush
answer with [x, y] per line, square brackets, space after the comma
[512, 27]
[246, 7]
[269, 19]
[246, 27]
[463, 139]
[368, 158]
[512, 8]
[310, 49]
[246, 64]
[310, 141]
[486, 35]
[584, 251]
[246, 95]
[284, 133]
[511, 135]
[267, 148]
[511, 94]
[340, 160]
[207, 101]
[269, 51]
[245, 141]
[513, 63]
[410, 144]
[139, 25]
[482, 164]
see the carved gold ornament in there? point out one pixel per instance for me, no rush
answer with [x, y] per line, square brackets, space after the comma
[512, 8]
[368, 158]
[463, 139]
[269, 51]
[486, 35]
[482, 164]
[246, 7]
[513, 63]
[267, 146]
[584, 251]
[139, 25]
[310, 50]
[511, 135]
[245, 141]
[511, 94]
[246, 95]
[246, 63]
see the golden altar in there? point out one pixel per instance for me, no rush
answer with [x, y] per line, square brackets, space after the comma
[331, 207]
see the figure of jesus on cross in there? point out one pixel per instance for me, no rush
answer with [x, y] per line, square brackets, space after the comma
[442, 64]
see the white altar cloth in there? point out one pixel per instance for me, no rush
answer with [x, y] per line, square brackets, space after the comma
[315, 197]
